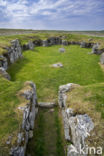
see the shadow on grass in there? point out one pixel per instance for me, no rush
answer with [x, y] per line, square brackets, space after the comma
[16, 67]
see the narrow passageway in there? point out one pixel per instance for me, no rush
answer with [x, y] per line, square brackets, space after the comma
[48, 139]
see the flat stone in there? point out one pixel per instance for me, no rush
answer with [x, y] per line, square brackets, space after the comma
[61, 50]
[57, 65]
[46, 104]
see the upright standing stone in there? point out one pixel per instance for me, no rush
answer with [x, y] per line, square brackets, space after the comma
[102, 58]
[45, 43]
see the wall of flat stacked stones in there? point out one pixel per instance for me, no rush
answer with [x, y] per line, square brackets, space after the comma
[77, 127]
[14, 52]
[29, 114]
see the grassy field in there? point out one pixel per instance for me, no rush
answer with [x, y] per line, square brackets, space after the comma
[9, 121]
[78, 67]
[34, 35]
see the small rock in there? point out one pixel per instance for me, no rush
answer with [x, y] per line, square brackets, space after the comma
[30, 134]
[57, 65]
[61, 50]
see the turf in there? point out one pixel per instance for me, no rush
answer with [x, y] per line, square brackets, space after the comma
[9, 121]
[79, 67]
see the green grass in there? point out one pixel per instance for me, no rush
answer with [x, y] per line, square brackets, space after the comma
[79, 67]
[33, 35]
[9, 122]
[47, 139]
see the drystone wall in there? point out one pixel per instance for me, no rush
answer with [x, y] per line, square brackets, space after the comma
[76, 127]
[29, 111]
[13, 53]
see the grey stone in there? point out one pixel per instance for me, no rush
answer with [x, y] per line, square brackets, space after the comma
[31, 45]
[61, 50]
[54, 40]
[66, 126]
[17, 151]
[102, 58]
[27, 125]
[80, 127]
[47, 104]
[57, 65]
[3, 62]
[83, 45]
[86, 45]
[30, 134]
[96, 50]
[62, 94]
[45, 43]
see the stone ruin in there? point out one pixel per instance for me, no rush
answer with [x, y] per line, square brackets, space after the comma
[96, 50]
[86, 45]
[77, 127]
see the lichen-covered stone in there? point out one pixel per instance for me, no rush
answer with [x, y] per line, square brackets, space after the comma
[27, 125]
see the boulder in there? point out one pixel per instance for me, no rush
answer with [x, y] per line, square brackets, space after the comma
[96, 50]
[61, 50]
[30, 45]
[102, 58]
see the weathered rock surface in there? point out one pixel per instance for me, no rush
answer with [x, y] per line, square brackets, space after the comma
[13, 53]
[86, 45]
[102, 58]
[76, 127]
[54, 40]
[62, 94]
[30, 45]
[61, 50]
[4, 73]
[3, 62]
[27, 125]
[47, 104]
[96, 50]
[57, 65]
